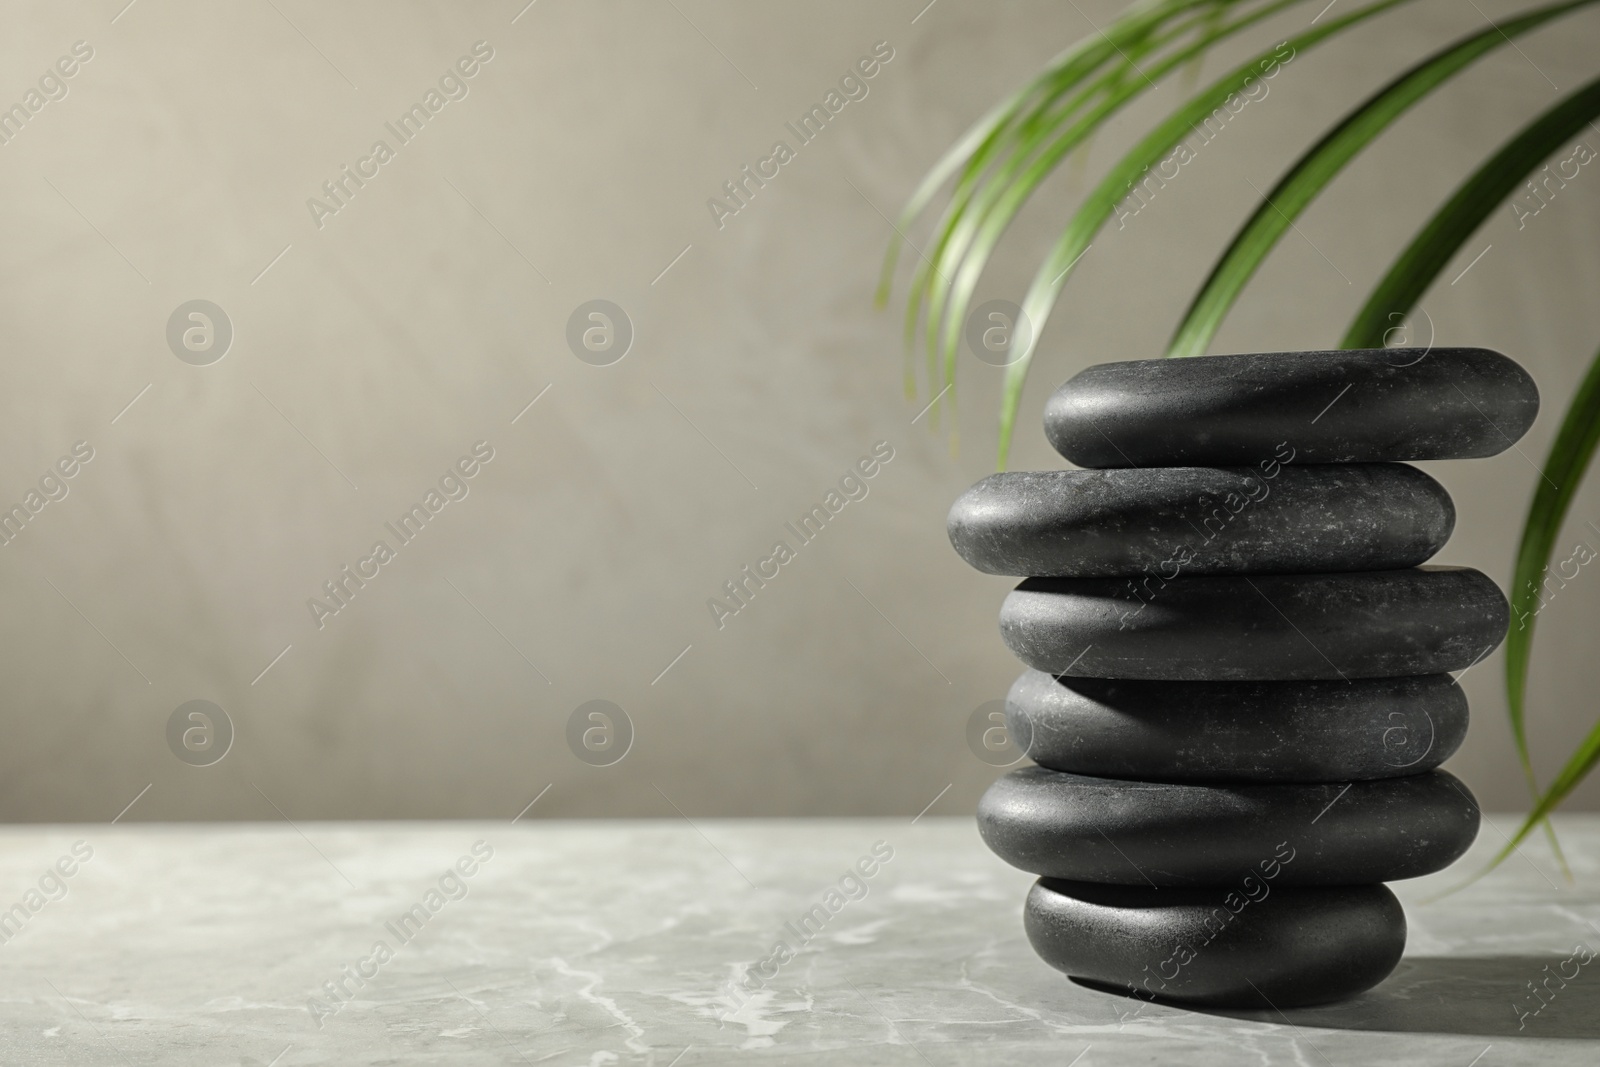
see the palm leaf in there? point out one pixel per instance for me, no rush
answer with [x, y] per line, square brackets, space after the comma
[1480, 195]
[971, 155]
[1029, 120]
[1564, 469]
[985, 221]
[1416, 268]
[992, 136]
[1398, 293]
[1046, 113]
[968, 152]
[1312, 173]
[1101, 203]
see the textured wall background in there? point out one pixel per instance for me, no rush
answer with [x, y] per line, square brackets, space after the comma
[372, 351]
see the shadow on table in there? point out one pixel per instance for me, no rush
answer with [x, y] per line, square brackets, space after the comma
[1486, 995]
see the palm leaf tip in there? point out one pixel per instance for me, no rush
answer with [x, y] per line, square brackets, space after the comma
[1041, 125]
[1100, 205]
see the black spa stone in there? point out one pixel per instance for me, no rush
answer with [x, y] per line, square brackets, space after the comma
[1169, 521]
[1316, 731]
[1115, 832]
[1316, 407]
[1360, 624]
[1225, 946]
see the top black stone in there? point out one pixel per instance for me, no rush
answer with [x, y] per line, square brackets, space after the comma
[1363, 406]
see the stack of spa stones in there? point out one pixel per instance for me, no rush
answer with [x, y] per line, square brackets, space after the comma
[1239, 686]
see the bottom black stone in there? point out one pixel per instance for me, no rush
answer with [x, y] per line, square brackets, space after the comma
[1270, 946]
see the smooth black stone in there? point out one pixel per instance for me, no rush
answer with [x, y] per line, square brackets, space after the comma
[1361, 624]
[1362, 406]
[1238, 731]
[1169, 521]
[1169, 833]
[1292, 947]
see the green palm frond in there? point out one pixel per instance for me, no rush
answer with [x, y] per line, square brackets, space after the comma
[1101, 203]
[1093, 78]
[1318, 167]
[973, 238]
[1480, 195]
[1563, 471]
[1394, 297]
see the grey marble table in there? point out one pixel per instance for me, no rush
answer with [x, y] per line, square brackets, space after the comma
[633, 942]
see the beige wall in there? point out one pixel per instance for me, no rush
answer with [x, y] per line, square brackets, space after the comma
[431, 308]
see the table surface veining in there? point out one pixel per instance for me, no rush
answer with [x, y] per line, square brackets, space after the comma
[634, 942]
